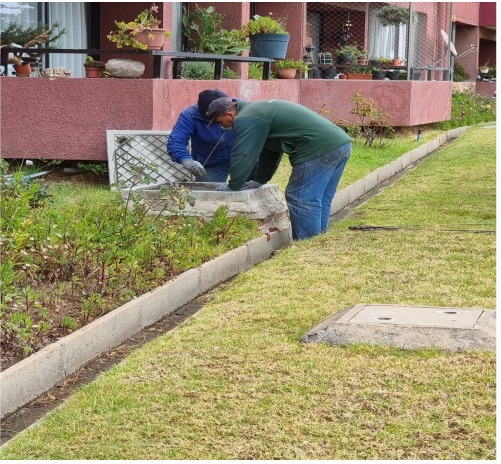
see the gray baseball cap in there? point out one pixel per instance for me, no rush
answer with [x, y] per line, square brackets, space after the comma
[219, 106]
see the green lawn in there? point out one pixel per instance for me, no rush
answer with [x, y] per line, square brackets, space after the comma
[364, 160]
[234, 381]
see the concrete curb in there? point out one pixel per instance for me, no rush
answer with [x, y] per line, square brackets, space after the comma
[36, 374]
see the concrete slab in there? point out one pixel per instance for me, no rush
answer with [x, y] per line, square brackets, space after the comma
[266, 204]
[413, 315]
[409, 327]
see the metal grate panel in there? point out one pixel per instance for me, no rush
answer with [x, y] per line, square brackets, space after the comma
[139, 158]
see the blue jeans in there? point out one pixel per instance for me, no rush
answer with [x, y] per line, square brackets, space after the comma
[215, 174]
[311, 189]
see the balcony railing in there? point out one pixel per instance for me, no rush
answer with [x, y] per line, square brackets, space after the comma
[176, 57]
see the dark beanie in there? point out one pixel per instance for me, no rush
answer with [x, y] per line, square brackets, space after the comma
[206, 97]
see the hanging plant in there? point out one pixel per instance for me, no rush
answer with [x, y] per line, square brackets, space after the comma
[391, 15]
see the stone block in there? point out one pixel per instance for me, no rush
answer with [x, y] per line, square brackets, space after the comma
[341, 200]
[262, 248]
[370, 181]
[384, 173]
[170, 297]
[356, 190]
[26, 380]
[419, 152]
[102, 335]
[223, 267]
[406, 160]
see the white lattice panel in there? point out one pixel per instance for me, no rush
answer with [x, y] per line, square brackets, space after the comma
[134, 156]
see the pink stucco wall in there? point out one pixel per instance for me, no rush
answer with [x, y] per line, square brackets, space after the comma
[487, 14]
[68, 118]
[466, 12]
[486, 88]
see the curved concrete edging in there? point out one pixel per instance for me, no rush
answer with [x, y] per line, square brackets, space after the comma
[36, 374]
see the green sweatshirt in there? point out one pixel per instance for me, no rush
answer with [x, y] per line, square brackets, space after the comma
[264, 130]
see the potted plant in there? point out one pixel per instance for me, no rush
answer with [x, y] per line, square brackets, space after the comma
[315, 73]
[32, 36]
[142, 33]
[357, 72]
[485, 68]
[22, 69]
[362, 58]
[384, 61]
[35, 37]
[325, 58]
[347, 54]
[267, 36]
[287, 69]
[378, 74]
[392, 15]
[93, 68]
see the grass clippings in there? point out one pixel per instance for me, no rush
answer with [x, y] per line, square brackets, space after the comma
[234, 381]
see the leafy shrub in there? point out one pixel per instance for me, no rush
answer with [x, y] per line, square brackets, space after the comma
[460, 75]
[205, 34]
[373, 122]
[256, 71]
[469, 108]
[204, 70]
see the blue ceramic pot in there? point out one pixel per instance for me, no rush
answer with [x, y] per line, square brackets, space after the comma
[269, 45]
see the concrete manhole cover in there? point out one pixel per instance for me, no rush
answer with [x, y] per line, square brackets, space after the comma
[409, 327]
[414, 315]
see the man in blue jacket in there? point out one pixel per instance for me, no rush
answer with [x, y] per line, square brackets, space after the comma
[209, 160]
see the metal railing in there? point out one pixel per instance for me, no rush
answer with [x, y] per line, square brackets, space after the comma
[176, 57]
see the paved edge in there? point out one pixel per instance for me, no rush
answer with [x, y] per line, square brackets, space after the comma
[336, 330]
[36, 374]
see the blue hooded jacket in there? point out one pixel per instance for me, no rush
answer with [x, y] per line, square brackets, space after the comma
[193, 125]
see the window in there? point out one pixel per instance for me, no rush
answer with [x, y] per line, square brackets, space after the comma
[71, 16]
[388, 41]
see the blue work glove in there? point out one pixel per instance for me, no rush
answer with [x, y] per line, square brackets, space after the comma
[194, 167]
[251, 184]
[224, 188]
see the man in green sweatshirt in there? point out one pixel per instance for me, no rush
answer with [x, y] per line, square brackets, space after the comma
[318, 151]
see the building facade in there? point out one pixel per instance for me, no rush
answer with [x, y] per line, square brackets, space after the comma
[62, 125]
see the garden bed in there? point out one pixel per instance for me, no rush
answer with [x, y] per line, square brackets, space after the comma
[72, 252]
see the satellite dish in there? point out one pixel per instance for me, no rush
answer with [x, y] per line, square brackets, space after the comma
[448, 42]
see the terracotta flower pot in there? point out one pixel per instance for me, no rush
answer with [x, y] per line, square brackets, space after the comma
[287, 73]
[366, 77]
[92, 72]
[22, 70]
[153, 38]
[397, 62]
